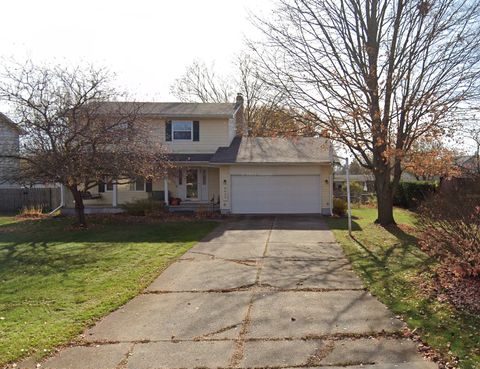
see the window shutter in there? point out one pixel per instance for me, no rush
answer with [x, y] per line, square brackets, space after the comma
[148, 185]
[168, 130]
[101, 186]
[196, 130]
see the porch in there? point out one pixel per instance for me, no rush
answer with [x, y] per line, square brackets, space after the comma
[187, 189]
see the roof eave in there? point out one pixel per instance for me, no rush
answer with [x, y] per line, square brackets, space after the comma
[191, 162]
[187, 116]
[326, 162]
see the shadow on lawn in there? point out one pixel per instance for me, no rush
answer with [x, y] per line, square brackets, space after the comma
[43, 246]
[404, 254]
[44, 258]
[393, 267]
[341, 224]
[61, 230]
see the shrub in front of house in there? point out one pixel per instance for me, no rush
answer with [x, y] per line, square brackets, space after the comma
[411, 194]
[33, 211]
[144, 207]
[339, 207]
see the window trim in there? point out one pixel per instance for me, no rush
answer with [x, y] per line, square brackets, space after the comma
[107, 183]
[191, 130]
[134, 184]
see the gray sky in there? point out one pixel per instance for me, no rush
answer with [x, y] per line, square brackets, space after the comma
[146, 43]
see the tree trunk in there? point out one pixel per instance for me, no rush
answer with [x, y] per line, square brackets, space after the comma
[384, 191]
[385, 208]
[79, 207]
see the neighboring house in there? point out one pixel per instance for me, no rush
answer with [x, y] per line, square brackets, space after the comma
[9, 145]
[366, 180]
[218, 166]
[468, 165]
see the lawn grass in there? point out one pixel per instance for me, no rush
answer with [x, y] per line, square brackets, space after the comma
[55, 280]
[390, 262]
[6, 219]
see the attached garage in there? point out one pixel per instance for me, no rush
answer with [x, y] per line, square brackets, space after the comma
[274, 175]
[276, 194]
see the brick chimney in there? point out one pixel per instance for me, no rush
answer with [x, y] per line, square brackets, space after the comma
[242, 128]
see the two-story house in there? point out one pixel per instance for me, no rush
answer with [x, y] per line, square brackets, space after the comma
[218, 163]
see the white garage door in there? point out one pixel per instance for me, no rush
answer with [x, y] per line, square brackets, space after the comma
[276, 194]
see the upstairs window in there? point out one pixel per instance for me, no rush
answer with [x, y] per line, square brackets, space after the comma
[182, 130]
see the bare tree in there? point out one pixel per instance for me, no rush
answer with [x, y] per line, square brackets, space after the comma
[200, 83]
[264, 111]
[472, 132]
[378, 74]
[74, 132]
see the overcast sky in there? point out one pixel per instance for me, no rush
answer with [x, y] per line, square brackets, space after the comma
[146, 43]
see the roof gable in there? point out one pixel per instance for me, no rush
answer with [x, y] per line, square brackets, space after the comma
[8, 122]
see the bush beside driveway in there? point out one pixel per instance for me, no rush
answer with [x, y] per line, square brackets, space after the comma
[396, 271]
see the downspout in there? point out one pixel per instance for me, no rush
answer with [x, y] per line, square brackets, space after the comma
[62, 200]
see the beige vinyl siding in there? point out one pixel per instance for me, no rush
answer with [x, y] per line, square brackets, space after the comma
[214, 133]
[224, 188]
[213, 184]
[327, 187]
[9, 145]
[124, 195]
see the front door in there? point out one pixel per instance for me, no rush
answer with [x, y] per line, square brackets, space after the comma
[191, 182]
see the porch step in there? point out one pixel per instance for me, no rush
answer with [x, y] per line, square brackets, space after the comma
[193, 207]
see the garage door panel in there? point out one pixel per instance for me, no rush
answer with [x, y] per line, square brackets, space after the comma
[276, 194]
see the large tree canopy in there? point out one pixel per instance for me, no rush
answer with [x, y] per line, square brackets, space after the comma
[378, 74]
[73, 133]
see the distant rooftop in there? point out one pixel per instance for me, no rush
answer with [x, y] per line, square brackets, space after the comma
[6, 120]
[174, 109]
[354, 177]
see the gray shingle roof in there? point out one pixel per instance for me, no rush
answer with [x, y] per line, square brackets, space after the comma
[173, 109]
[274, 150]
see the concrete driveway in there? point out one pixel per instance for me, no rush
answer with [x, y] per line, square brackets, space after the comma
[257, 292]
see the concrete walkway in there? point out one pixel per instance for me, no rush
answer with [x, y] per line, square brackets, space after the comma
[271, 292]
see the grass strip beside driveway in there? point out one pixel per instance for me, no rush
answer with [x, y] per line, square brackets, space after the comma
[55, 280]
[391, 265]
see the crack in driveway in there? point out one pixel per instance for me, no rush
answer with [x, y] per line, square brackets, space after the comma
[251, 323]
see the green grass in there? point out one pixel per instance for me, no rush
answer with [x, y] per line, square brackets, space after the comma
[7, 220]
[56, 280]
[390, 263]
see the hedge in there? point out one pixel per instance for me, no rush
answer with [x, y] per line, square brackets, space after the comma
[410, 194]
